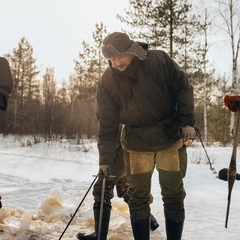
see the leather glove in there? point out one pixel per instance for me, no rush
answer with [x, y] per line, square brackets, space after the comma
[187, 132]
[105, 170]
[223, 175]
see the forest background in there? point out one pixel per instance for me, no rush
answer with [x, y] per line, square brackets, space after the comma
[43, 107]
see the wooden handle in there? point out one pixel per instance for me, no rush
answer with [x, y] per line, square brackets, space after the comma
[232, 171]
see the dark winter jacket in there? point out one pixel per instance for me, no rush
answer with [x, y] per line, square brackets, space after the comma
[151, 98]
[6, 83]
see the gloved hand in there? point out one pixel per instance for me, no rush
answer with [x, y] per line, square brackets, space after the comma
[187, 132]
[223, 175]
[105, 170]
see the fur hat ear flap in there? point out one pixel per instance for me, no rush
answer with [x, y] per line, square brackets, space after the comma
[109, 51]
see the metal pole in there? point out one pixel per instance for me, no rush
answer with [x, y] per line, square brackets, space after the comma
[209, 161]
[78, 207]
[101, 209]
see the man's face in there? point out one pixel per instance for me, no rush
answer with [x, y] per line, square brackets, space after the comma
[121, 63]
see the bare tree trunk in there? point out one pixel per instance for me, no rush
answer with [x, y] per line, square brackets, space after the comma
[171, 29]
[205, 79]
[232, 21]
[15, 114]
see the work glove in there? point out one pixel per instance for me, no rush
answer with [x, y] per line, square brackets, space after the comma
[105, 170]
[223, 175]
[187, 132]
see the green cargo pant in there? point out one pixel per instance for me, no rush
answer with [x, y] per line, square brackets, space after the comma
[171, 164]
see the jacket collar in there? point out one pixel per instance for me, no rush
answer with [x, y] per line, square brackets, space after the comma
[130, 71]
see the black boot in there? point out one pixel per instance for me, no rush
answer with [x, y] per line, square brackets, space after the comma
[174, 224]
[141, 229]
[105, 224]
[153, 223]
[82, 236]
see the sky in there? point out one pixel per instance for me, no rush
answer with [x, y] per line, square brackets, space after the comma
[42, 184]
[56, 28]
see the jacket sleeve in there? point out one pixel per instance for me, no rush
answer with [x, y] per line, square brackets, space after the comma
[182, 92]
[6, 83]
[108, 127]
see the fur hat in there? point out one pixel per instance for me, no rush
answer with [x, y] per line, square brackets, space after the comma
[117, 44]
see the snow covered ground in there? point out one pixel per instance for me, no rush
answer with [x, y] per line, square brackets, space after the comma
[43, 184]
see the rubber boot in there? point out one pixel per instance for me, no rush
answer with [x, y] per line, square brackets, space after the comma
[153, 223]
[105, 225]
[174, 224]
[141, 229]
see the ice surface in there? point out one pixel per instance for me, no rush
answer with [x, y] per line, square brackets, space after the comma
[43, 184]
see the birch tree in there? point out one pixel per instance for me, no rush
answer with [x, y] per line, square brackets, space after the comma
[229, 11]
[48, 95]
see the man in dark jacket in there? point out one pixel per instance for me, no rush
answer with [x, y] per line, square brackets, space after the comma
[6, 85]
[149, 94]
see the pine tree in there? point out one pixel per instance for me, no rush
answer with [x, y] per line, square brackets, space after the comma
[161, 23]
[88, 68]
[26, 92]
